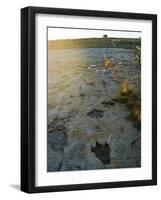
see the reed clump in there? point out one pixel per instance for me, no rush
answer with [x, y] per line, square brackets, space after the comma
[126, 94]
[107, 63]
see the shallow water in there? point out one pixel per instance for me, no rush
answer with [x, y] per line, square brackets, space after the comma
[80, 93]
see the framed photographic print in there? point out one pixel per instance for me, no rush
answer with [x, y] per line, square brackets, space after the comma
[88, 99]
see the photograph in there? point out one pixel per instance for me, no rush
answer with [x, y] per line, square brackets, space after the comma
[89, 99]
[93, 99]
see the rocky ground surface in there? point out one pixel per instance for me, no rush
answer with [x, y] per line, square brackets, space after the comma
[86, 128]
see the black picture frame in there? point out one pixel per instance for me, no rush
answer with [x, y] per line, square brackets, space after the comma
[28, 98]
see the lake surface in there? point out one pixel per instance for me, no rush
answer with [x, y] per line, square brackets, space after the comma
[86, 129]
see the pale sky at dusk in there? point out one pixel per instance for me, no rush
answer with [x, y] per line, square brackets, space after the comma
[67, 33]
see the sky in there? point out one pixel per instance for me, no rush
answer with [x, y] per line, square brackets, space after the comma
[68, 33]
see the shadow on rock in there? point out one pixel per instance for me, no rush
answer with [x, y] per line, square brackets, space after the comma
[102, 152]
[95, 113]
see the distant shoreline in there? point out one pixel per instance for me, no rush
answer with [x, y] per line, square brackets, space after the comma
[129, 43]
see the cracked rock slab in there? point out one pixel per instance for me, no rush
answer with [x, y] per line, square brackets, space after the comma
[57, 140]
[54, 159]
